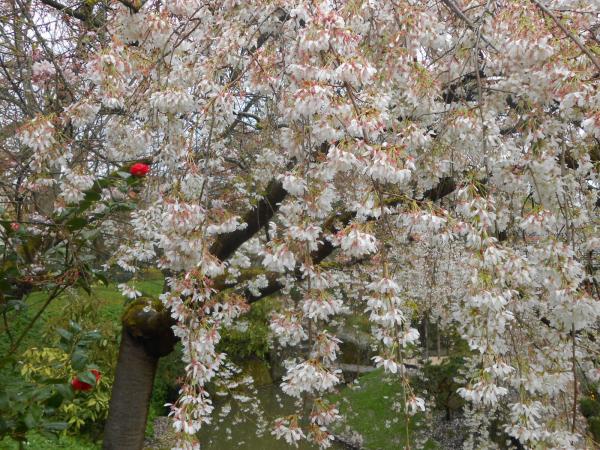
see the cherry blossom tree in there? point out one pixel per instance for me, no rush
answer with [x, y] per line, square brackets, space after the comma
[325, 151]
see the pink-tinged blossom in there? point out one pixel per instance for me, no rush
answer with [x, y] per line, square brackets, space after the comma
[355, 243]
[279, 260]
[308, 234]
[383, 168]
[287, 329]
[293, 184]
[322, 307]
[39, 136]
[310, 377]
[414, 405]
[228, 226]
[483, 393]
[388, 364]
[288, 429]
[129, 291]
[340, 160]
[42, 70]
[324, 414]
[384, 286]
[326, 347]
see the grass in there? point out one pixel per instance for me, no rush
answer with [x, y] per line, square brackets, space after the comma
[372, 406]
[38, 442]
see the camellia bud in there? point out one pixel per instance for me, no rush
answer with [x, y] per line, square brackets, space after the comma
[139, 169]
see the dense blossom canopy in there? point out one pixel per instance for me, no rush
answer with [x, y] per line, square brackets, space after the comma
[433, 157]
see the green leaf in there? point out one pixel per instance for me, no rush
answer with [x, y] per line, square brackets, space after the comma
[55, 426]
[92, 196]
[65, 391]
[78, 360]
[54, 381]
[65, 334]
[124, 175]
[43, 394]
[93, 335]
[76, 223]
[74, 326]
[87, 377]
[29, 421]
[55, 401]
[4, 400]
[84, 284]
[132, 181]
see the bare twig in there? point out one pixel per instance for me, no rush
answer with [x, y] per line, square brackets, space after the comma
[568, 33]
[456, 10]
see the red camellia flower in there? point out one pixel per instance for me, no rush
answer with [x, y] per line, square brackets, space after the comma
[79, 385]
[139, 169]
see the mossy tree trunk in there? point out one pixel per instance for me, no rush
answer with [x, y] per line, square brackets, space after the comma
[146, 337]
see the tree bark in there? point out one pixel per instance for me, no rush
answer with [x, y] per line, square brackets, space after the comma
[438, 340]
[426, 336]
[130, 399]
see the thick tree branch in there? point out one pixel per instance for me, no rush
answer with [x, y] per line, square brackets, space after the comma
[227, 244]
[75, 13]
[445, 187]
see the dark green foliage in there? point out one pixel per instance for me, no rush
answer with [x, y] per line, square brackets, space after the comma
[252, 342]
[590, 407]
[32, 403]
[594, 426]
[88, 330]
[440, 383]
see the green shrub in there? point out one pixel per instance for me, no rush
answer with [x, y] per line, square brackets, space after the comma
[249, 338]
[589, 407]
[72, 358]
[441, 385]
[594, 426]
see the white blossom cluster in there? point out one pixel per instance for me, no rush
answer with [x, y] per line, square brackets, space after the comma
[423, 163]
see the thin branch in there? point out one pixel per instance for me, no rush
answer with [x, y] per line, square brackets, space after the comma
[73, 13]
[568, 33]
[456, 10]
[249, 115]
